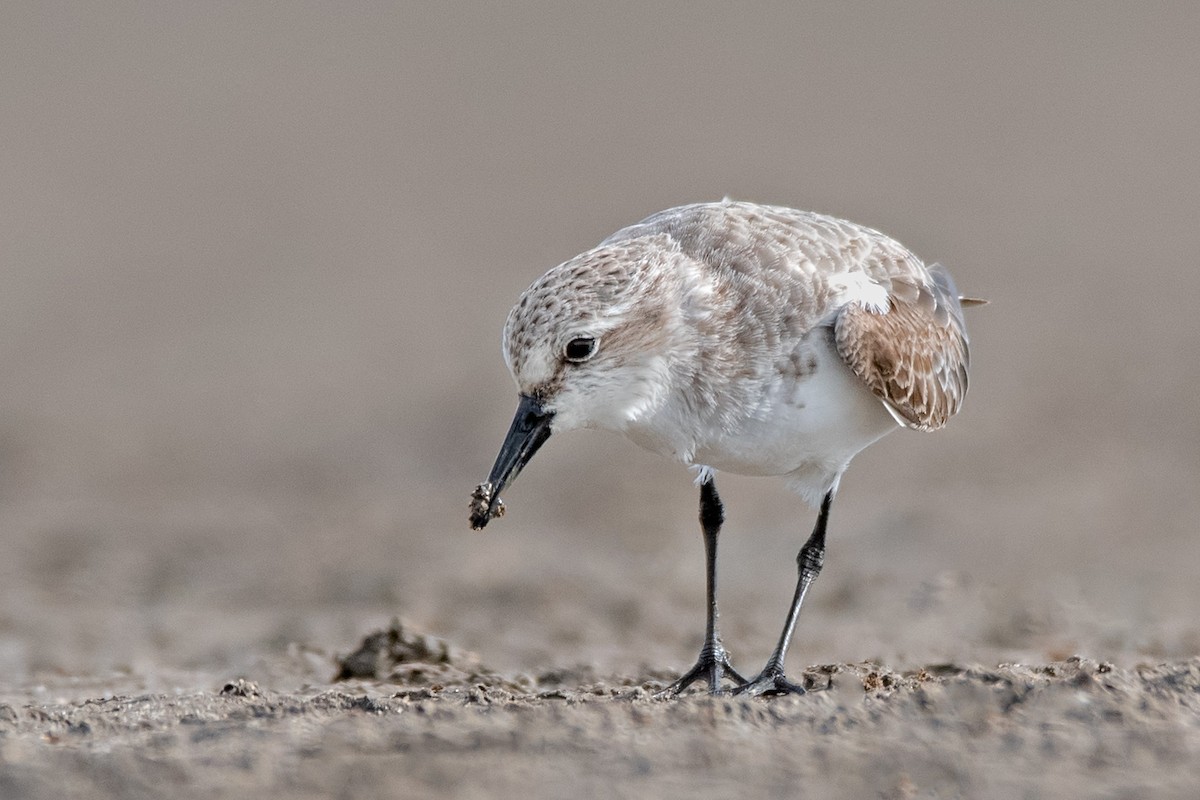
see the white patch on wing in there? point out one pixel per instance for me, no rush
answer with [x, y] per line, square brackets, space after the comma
[857, 287]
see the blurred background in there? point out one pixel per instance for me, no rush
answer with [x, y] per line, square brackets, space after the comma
[255, 260]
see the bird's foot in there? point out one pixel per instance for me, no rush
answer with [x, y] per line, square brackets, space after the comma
[771, 682]
[713, 666]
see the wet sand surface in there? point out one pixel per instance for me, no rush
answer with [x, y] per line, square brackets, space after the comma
[255, 267]
[1067, 729]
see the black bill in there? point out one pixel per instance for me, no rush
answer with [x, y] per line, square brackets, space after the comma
[529, 430]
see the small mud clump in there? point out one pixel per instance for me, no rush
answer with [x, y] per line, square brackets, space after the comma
[404, 656]
[482, 509]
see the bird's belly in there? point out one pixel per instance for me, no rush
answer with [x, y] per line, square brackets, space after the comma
[807, 426]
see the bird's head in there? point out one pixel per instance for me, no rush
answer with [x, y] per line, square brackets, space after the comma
[590, 344]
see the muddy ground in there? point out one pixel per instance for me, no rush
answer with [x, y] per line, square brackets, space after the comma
[445, 727]
[254, 263]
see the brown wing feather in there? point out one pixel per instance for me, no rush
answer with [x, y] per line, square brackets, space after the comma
[915, 356]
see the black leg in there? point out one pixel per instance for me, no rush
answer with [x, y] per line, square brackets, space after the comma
[771, 680]
[713, 663]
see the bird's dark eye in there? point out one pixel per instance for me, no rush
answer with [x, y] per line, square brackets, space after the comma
[580, 349]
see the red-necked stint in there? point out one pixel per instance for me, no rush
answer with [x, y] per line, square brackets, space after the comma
[732, 336]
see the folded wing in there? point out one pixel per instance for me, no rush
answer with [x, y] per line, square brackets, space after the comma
[915, 355]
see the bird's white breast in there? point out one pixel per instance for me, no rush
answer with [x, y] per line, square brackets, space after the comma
[812, 416]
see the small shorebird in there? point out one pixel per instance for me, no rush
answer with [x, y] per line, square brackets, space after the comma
[732, 336]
